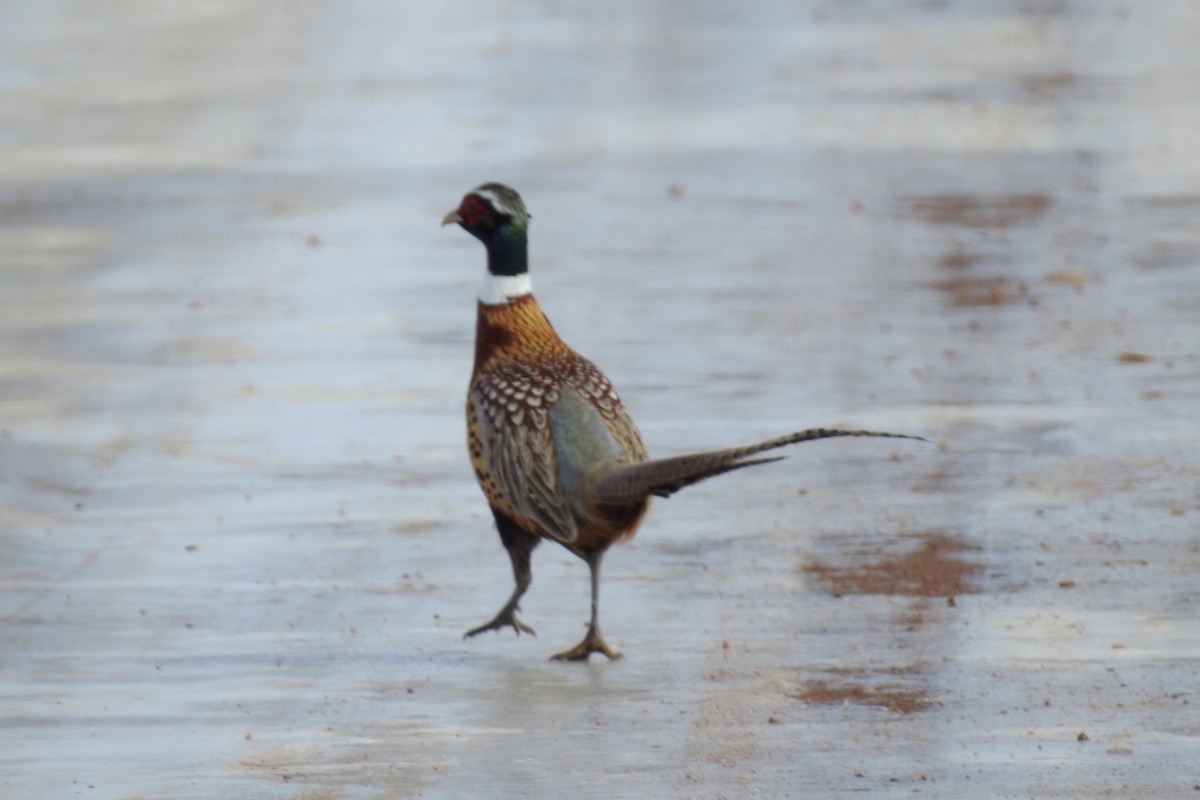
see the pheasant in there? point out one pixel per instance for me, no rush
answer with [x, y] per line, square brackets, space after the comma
[555, 452]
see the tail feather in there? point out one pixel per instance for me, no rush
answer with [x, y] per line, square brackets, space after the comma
[663, 477]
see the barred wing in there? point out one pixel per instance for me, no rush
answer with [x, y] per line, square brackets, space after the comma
[513, 415]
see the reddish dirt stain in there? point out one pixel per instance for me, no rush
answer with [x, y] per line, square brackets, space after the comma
[983, 291]
[904, 701]
[980, 211]
[932, 570]
[959, 260]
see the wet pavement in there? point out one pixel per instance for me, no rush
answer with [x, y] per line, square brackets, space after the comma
[239, 534]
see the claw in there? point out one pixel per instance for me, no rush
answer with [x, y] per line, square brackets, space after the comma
[593, 642]
[507, 618]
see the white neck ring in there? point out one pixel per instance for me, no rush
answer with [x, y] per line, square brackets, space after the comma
[500, 289]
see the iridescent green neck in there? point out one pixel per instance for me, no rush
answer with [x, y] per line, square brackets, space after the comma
[507, 250]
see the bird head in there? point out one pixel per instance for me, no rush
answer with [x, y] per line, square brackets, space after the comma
[495, 215]
[492, 208]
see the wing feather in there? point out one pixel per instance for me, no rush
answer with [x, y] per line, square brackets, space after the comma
[518, 450]
[546, 434]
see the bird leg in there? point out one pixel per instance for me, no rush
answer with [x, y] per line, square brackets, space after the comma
[519, 544]
[506, 618]
[592, 642]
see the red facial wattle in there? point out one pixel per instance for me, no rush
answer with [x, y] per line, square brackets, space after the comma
[473, 212]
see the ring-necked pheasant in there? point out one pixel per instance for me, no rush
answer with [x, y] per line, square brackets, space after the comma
[557, 455]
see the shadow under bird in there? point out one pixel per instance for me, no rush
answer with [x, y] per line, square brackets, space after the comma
[557, 455]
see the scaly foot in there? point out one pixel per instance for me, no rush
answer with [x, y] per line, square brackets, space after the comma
[507, 618]
[593, 642]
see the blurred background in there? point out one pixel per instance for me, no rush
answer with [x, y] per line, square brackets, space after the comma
[239, 535]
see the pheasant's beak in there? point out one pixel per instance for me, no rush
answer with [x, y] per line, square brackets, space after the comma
[452, 218]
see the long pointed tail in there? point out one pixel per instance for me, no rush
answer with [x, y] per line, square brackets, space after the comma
[665, 476]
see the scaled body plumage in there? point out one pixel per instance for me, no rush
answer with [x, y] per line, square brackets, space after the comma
[541, 420]
[555, 452]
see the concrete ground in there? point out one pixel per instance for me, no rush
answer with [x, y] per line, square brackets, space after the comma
[239, 536]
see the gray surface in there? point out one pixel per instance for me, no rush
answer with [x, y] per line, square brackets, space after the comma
[239, 535]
